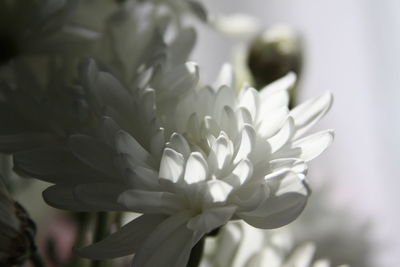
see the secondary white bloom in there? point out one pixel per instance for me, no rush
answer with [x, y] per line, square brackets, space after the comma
[240, 245]
[337, 232]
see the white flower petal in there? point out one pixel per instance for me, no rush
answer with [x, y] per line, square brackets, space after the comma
[101, 195]
[302, 256]
[227, 241]
[240, 174]
[178, 80]
[181, 46]
[313, 145]
[125, 241]
[296, 165]
[142, 178]
[283, 136]
[125, 143]
[225, 77]
[285, 203]
[276, 211]
[246, 143]
[211, 219]
[215, 191]
[171, 166]
[324, 263]
[221, 152]
[243, 116]
[251, 198]
[310, 112]
[179, 144]
[150, 202]
[64, 197]
[272, 121]
[84, 147]
[249, 99]
[228, 122]
[163, 247]
[282, 85]
[196, 169]
[267, 257]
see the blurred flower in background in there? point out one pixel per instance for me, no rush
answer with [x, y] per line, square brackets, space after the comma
[240, 245]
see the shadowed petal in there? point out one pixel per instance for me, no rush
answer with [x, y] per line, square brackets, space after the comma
[125, 241]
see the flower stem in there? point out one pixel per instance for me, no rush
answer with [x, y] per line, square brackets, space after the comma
[102, 230]
[101, 226]
[196, 254]
[84, 220]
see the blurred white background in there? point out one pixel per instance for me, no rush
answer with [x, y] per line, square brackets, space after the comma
[353, 50]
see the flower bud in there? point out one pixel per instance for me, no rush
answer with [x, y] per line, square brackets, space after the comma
[273, 53]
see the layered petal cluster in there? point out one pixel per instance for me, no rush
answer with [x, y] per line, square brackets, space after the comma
[321, 223]
[221, 166]
[240, 245]
[257, 139]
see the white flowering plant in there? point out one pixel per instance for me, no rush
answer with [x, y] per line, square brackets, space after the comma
[116, 118]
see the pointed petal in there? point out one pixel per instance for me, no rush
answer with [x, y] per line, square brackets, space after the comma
[84, 147]
[102, 196]
[225, 77]
[125, 143]
[249, 99]
[276, 211]
[283, 205]
[240, 174]
[196, 169]
[56, 165]
[150, 202]
[164, 245]
[283, 136]
[179, 144]
[171, 166]
[215, 191]
[272, 121]
[302, 256]
[25, 141]
[246, 145]
[221, 152]
[313, 145]
[178, 80]
[125, 241]
[276, 89]
[310, 112]
[211, 219]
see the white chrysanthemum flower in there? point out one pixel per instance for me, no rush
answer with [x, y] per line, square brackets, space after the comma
[257, 139]
[227, 158]
[322, 223]
[230, 165]
[240, 245]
